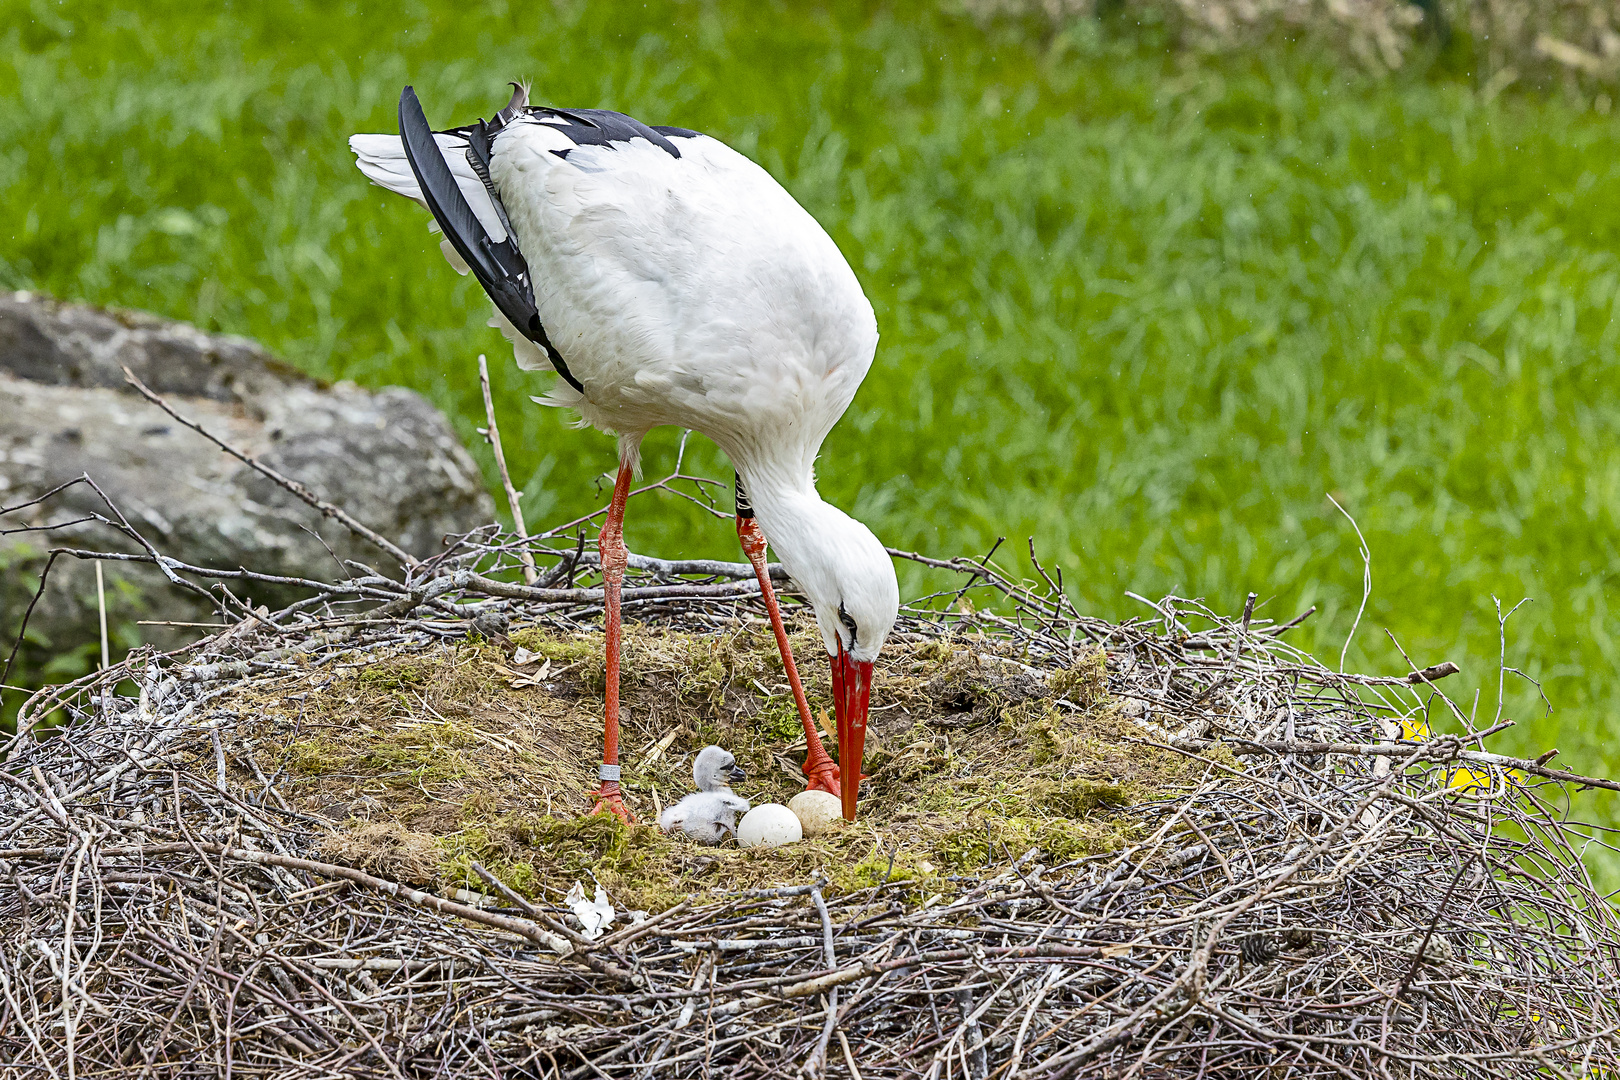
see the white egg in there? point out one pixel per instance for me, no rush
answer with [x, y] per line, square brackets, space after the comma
[817, 811]
[769, 825]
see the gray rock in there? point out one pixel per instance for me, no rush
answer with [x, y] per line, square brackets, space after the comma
[387, 457]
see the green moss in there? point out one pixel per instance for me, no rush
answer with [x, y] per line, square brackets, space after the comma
[991, 840]
[963, 799]
[1064, 841]
[877, 868]
[1085, 683]
[314, 757]
[778, 721]
[396, 674]
[556, 649]
[966, 850]
[706, 678]
[527, 851]
[709, 665]
[1048, 742]
[1077, 798]
[426, 752]
[423, 753]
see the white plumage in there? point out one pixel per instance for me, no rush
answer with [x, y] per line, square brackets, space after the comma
[691, 291]
[670, 280]
[708, 815]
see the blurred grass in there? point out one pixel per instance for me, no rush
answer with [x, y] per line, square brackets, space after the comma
[1148, 308]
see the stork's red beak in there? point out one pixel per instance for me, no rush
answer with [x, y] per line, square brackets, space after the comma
[852, 692]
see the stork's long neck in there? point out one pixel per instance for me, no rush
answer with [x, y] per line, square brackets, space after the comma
[838, 564]
[790, 511]
[811, 538]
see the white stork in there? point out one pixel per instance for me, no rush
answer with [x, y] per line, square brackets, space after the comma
[667, 279]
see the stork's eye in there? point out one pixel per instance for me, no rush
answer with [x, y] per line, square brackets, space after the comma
[849, 621]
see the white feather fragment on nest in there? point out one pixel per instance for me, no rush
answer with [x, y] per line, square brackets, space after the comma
[594, 916]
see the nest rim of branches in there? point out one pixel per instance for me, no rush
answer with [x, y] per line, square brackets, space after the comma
[1340, 893]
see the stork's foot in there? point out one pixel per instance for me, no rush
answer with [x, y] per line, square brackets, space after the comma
[820, 772]
[609, 799]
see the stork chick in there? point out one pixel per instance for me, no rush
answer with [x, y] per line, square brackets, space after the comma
[709, 814]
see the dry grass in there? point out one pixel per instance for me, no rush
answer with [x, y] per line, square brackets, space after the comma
[429, 759]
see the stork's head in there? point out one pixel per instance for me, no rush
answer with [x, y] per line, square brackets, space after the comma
[850, 581]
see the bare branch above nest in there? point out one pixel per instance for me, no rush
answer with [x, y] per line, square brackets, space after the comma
[336, 513]
[477, 583]
[492, 435]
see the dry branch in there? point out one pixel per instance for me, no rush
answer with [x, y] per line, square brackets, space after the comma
[336, 513]
[492, 434]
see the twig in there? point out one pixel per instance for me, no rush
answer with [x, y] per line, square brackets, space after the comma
[22, 629]
[101, 614]
[816, 1065]
[1366, 578]
[466, 579]
[1428, 932]
[1274, 631]
[1433, 673]
[342, 517]
[492, 435]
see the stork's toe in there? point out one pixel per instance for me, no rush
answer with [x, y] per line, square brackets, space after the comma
[821, 774]
[610, 800]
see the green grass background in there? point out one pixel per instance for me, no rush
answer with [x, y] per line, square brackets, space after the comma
[1146, 307]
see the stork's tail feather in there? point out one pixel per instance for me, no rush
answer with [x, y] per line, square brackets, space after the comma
[531, 357]
[448, 173]
[382, 158]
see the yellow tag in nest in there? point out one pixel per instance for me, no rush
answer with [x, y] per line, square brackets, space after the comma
[1415, 728]
[1466, 779]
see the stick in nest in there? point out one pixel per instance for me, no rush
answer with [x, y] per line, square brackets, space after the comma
[492, 435]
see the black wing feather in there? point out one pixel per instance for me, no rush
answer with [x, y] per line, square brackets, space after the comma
[499, 268]
[603, 127]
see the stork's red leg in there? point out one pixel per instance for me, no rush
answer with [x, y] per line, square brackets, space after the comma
[614, 556]
[820, 772]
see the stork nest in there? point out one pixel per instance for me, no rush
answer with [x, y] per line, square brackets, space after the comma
[338, 841]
